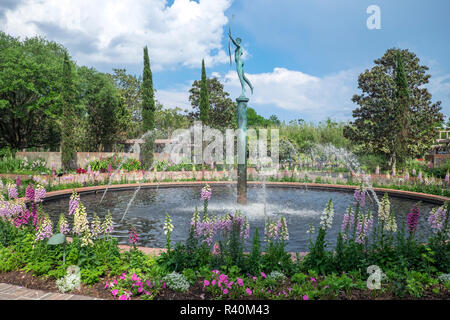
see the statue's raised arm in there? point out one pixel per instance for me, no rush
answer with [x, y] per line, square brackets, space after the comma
[240, 64]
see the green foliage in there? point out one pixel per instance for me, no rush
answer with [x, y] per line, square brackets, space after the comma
[30, 86]
[130, 88]
[107, 116]
[304, 136]
[204, 97]
[254, 260]
[148, 96]
[222, 109]
[102, 165]
[376, 128]
[68, 144]
[417, 283]
[318, 258]
[255, 120]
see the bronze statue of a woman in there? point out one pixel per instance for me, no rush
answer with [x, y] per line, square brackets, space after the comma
[240, 64]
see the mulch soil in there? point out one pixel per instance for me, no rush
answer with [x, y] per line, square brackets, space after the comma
[27, 280]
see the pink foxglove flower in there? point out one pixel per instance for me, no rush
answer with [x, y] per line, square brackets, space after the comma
[12, 191]
[29, 193]
[134, 237]
[39, 194]
[413, 219]
[206, 192]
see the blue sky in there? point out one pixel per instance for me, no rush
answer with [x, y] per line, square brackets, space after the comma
[302, 56]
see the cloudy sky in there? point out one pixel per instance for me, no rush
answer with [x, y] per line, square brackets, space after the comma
[302, 56]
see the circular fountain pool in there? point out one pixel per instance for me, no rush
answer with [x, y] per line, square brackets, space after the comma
[298, 205]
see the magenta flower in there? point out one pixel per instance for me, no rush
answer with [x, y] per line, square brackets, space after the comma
[115, 292]
[240, 282]
[29, 192]
[413, 219]
[360, 196]
[223, 278]
[206, 283]
[249, 292]
[313, 279]
[263, 275]
[305, 297]
[134, 237]
[225, 291]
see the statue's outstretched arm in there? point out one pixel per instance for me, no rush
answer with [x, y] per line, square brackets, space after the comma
[234, 42]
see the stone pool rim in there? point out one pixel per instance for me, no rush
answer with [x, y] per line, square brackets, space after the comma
[411, 195]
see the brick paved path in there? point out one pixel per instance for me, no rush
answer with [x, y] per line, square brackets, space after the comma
[12, 292]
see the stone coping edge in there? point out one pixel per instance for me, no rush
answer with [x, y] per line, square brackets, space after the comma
[431, 198]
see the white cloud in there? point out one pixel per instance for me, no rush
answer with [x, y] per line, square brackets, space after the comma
[112, 31]
[174, 98]
[315, 97]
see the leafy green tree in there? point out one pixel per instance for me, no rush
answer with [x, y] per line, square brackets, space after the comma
[255, 120]
[222, 108]
[107, 115]
[148, 113]
[169, 119]
[204, 97]
[130, 88]
[30, 92]
[274, 120]
[376, 125]
[68, 144]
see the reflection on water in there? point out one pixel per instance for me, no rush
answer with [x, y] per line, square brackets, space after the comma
[299, 206]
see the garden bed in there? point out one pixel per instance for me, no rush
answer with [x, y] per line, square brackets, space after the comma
[195, 292]
[212, 264]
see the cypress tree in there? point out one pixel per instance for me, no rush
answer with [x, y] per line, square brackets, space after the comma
[148, 98]
[204, 97]
[68, 144]
[148, 112]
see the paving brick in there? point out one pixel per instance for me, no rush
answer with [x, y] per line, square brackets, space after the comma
[12, 292]
[35, 294]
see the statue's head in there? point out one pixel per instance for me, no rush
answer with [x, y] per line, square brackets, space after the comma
[238, 40]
